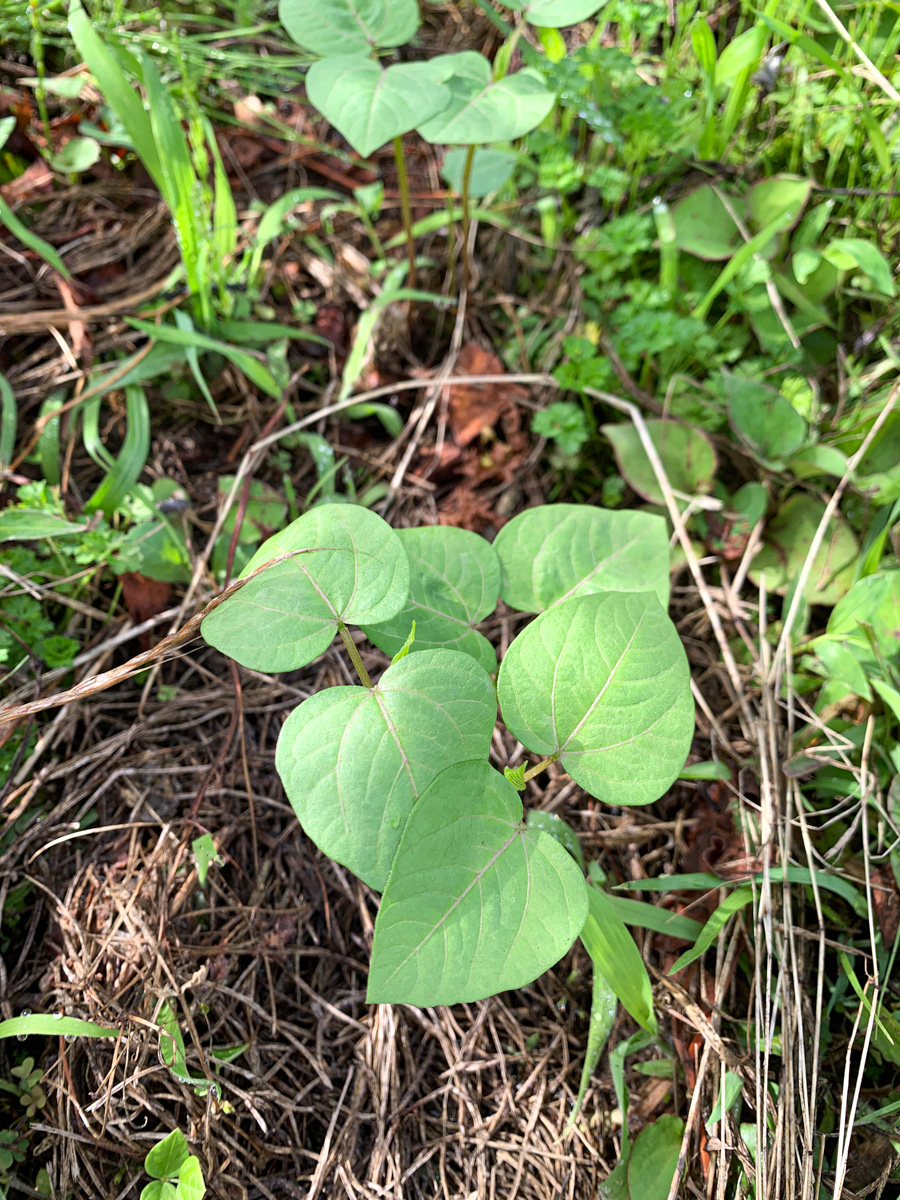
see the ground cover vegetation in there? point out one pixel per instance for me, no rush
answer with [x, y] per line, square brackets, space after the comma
[449, 599]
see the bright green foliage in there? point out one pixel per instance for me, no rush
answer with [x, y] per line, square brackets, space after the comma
[177, 1173]
[556, 551]
[764, 420]
[785, 546]
[482, 109]
[616, 957]
[564, 423]
[686, 454]
[348, 26]
[475, 903]
[354, 760]
[554, 14]
[871, 606]
[392, 778]
[345, 564]
[601, 683]
[370, 105]
[654, 1159]
[454, 582]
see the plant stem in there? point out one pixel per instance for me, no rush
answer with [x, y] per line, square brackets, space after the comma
[466, 181]
[541, 766]
[406, 208]
[361, 671]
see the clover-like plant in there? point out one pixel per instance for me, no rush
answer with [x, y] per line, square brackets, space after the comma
[453, 99]
[392, 778]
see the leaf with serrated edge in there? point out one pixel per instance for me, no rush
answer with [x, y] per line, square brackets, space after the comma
[454, 582]
[354, 760]
[557, 551]
[482, 109]
[348, 26]
[476, 903]
[602, 681]
[370, 105]
[347, 565]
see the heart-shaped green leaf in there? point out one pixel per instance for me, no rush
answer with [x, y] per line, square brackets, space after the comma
[686, 454]
[476, 903]
[370, 105]
[346, 565]
[454, 582]
[354, 760]
[602, 682]
[557, 551]
[764, 420]
[165, 1159]
[555, 14]
[348, 26]
[482, 109]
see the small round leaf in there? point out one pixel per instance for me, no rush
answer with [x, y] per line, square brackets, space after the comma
[555, 14]
[370, 105]
[167, 1157]
[786, 542]
[482, 109]
[347, 565]
[348, 26]
[556, 551]
[454, 582]
[602, 682]
[476, 903]
[354, 760]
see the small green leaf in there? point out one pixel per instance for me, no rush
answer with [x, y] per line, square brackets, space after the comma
[516, 776]
[873, 602]
[766, 422]
[846, 253]
[454, 582]
[77, 155]
[26, 524]
[158, 1190]
[687, 457]
[777, 196]
[556, 551]
[555, 14]
[205, 855]
[615, 955]
[654, 1159]
[490, 170]
[604, 1007]
[786, 543]
[742, 53]
[817, 460]
[482, 109]
[725, 1099]
[703, 225]
[190, 1180]
[738, 899]
[354, 760]
[407, 645]
[31, 240]
[328, 27]
[347, 565]
[370, 105]
[476, 903]
[602, 682]
[166, 1158]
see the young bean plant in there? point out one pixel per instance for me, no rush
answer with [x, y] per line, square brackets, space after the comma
[392, 778]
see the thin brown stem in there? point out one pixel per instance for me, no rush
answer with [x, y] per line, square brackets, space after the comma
[541, 766]
[406, 208]
[361, 671]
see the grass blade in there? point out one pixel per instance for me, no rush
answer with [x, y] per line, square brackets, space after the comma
[8, 423]
[31, 240]
[49, 1025]
[242, 359]
[122, 473]
[615, 955]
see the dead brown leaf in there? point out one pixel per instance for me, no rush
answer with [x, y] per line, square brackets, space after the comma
[475, 408]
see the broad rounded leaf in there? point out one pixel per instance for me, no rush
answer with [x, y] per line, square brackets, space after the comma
[703, 225]
[602, 682]
[484, 110]
[776, 197]
[78, 154]
[348, 26]
[370, 105]
[555, 14]
[490, 169]
[873, 602]
[476, 902]
[654, 1159]
[686, 454]
[354, 760]
[556, 551]
[454, 582]
[167, 1157]
[786, 543]
[159, 1190]
[346, 564]
[846, 253]
[190, 1181]
[764, 420]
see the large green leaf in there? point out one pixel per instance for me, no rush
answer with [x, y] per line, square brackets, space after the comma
[686, 454]
[654, 1159]
[873, 602]
[785, 546]
[556, 551]
[454, 582]
[354, 760]
[602, 683]
[476, 903]
[348, 26]
[370, 105]
[482, 109]
[764, 420]
[346, 565]
[554, 14]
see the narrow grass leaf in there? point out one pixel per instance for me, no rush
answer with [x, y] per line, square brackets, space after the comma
[615, 955]
[8, 423]
[242, 359]
[738, 899]
[604, 1006]
[122, 472]
[49, 1025]
[43, 249]
[184, 323]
